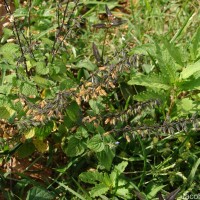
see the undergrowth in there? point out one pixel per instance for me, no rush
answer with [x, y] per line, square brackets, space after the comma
[100, 100]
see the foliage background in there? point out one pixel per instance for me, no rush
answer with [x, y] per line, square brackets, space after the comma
[99, 108]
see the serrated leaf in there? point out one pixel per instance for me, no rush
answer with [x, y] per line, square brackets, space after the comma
[190, 84]
[25, 150]
[37, 193]
[190, 70]
[74, 147]
[95, 143]
[174, 52]
[105, 157]
[91, 177]
[153, 81]
[40, 145]
[99, 190]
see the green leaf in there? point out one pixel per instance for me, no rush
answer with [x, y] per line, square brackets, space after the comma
[190, 84]
[43, 131]
[74, 112]
[9, 51]
[174, 52]
[99, 190]
[6, 112]
[143, 49]
[154, 190]
[42, 82]
[75, 147]
[190, 70]
[26, 150]
[124, 193]
[95, 143]
[87, 64]
[105, 157]
[91, 177]
[37, 193]
[185, 106]
[41, 68]
[29, 89]
[96, 105]
[193, 172]
[21, 12]
[121, 167]
[5, 89]
[70, 190]
[152, 81]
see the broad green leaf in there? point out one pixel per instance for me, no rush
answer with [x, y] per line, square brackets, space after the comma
[124, 193]
[43, 131]
[91, 177]
[185, 106]
[21, 12]
[82, 132]
[30, 133]
[6, 112]
[143, 49]
[105, 157]
[42, 82]
[96, 105]
[41, 68]
[87, 64]
[121, 167]
[25, 150]
[99, 190]
[9, 51]
[75, 147]
[40, 145]
[190, 84]
[95, 143]
[74, 112]
[29, 89]
[190, 70]
[5, 89]
[37, 193]
[153, 81]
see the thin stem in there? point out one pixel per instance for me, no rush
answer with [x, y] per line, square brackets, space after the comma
[60, 28]
[104, 41]
[29, 21]
[54, 51]
[18, 37]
